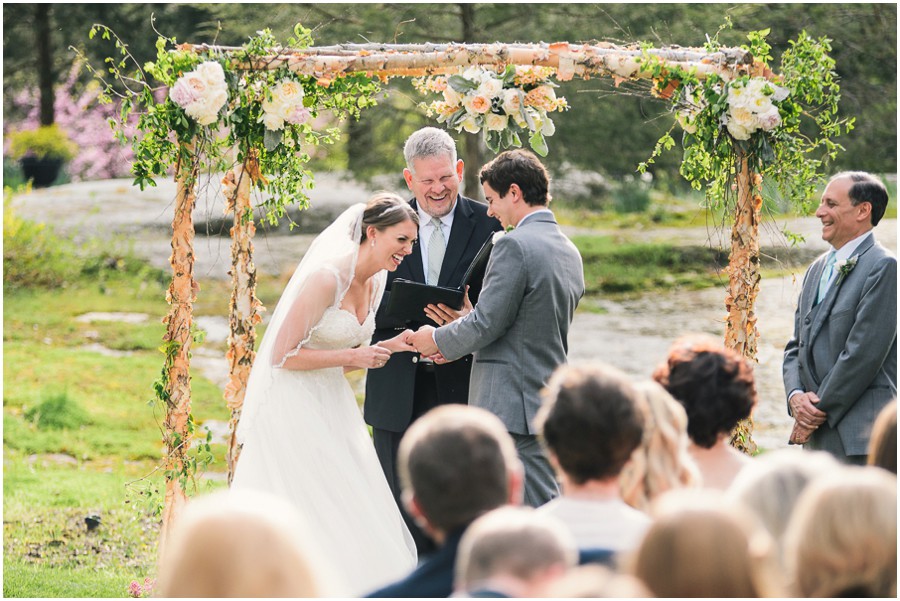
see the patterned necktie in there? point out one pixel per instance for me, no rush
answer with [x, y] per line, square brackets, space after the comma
[435, 252]
[826, 276]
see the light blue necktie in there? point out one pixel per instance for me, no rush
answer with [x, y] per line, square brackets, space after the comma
[436, 248]
[826, 276]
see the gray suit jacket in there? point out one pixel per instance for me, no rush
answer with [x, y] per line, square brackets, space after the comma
[845, 349]
[518, 332]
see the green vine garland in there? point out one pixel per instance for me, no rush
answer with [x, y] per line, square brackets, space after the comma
[792, 152]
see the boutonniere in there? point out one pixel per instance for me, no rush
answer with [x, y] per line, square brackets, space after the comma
[844, 267]
[500, 234]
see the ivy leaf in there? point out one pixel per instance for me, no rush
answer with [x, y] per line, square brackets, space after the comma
[271, 139]
[538, 143]
[461, 84]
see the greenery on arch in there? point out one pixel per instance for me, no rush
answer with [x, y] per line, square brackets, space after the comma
[783, 123]
[193, 105]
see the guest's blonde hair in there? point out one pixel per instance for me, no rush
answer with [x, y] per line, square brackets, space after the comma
[239, 544]
[701, 546]
[662, 461]
[842, 537]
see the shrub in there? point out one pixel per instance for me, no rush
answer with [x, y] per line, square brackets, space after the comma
[32, 255]
[85, 121]
[48, 141]
[57, 411]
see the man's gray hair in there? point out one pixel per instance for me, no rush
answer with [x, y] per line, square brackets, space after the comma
[428, 142]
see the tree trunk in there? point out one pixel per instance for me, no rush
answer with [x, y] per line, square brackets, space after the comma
[743, 281]
[44, 50]
[244, 307]
[181, 296]
[473, 152]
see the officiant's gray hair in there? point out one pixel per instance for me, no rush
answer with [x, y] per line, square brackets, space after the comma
[428, 142]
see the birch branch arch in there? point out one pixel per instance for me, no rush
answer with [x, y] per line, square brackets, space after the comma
[727, 152]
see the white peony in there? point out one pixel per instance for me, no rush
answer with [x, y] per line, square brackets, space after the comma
[770, 119]
[491, 88]
[201, 92]
[285, 106]
[512, 102]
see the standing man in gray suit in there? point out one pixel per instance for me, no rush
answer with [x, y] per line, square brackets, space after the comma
[840, 366]
[518, 332]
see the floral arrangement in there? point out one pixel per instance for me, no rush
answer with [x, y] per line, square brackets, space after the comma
[201, 92]
[751, 106]
[502, 105]
[285, 106]
[757, 115]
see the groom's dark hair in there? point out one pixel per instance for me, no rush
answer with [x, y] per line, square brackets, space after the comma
[522, 168]
[457, 460]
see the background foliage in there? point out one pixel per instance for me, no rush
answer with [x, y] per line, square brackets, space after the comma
[620, 126]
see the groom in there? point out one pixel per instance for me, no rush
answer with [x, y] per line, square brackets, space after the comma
[518, 332]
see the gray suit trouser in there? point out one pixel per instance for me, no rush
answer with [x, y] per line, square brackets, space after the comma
[540, 481]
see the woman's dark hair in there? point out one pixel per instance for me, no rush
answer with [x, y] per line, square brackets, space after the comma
[385, 209]
[714, 384]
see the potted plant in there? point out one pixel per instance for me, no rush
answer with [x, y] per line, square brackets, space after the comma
[41, 152]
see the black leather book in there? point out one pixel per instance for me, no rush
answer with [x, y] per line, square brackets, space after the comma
[408, 298]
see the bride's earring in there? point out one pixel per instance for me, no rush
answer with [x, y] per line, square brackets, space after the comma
[373, 242]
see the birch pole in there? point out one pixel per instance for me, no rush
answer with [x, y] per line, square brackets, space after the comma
[245, 307]
[180, 296]
[743, 281]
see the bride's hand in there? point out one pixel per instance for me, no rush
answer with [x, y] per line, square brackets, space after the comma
[371, 357]
[399, 343]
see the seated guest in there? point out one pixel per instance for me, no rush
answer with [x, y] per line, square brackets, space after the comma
[240, 544]
[594, 581]
[842, 537]
[699, 545]
[590, 424]
[513, 552]
[772, 483]
[456, 463]
[716, 387]
[662, 461]
[883, 444]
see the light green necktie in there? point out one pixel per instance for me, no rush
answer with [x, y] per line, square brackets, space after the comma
[826, 276]
[436, 249]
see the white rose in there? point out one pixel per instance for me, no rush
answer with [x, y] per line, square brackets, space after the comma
[470, 124]
[212, 73]
[738, 96]
[272, 121]
[495, 122]
[512, 102]
[780, 93]
[739, 130]
[491, 88]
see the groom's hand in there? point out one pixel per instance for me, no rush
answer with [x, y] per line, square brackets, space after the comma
[423, 340]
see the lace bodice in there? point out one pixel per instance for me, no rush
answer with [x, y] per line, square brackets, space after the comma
[339, 329]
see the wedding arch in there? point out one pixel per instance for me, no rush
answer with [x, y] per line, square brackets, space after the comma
[249, 112]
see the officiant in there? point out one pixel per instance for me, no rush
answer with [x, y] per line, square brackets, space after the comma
[452, 228]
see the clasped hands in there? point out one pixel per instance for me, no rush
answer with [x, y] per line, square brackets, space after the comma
[807, 417]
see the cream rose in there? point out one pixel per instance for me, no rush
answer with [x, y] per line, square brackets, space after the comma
[477, 104]
[495, 122]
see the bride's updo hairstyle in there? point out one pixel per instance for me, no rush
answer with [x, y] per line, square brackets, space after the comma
[385, 209]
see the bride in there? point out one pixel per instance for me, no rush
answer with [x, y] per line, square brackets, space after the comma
[303, 434]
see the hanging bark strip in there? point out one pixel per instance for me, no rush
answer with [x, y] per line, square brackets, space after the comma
[245, 307]
[743, 282]
[410, 60]
[180, 296]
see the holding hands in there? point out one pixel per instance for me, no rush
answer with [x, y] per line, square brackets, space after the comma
[377, 355]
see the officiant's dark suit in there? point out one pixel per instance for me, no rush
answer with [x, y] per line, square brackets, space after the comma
[405, 388]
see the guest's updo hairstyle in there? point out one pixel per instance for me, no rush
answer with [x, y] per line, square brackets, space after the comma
[385, 209]
[714, 384]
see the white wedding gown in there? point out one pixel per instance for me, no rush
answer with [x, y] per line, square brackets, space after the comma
[310, 446]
